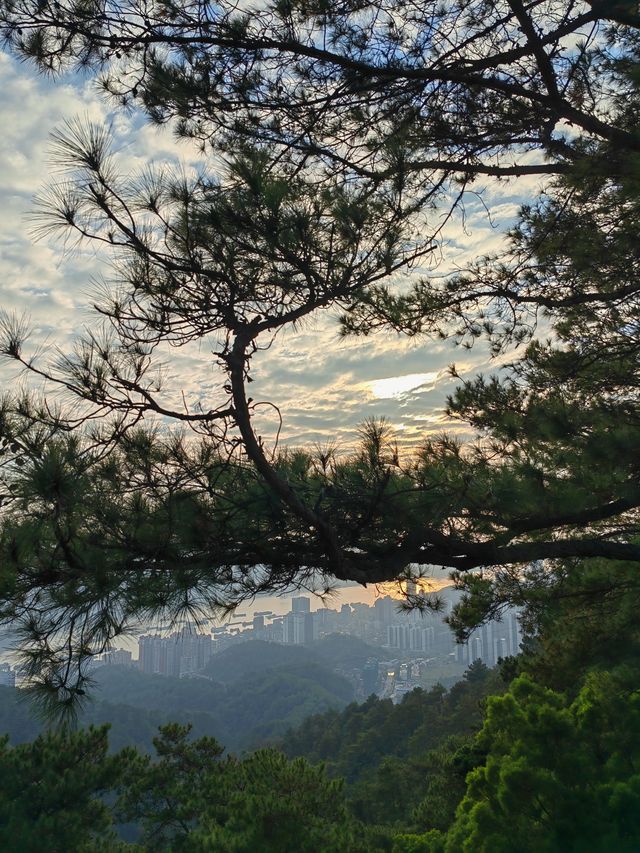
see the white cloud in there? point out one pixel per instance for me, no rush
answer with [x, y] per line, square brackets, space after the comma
[324, 385]
[399, 386]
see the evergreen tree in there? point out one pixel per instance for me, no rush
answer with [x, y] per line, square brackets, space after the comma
[555, 765]
[349, 134]
[559, 775]
[52, 793]
[63, 792]
[191, 798]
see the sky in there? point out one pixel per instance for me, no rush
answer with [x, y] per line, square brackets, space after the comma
[324, 385]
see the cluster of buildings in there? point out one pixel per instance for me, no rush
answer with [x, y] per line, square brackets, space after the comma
[413, 644]
[492, 641]
[414, 641]
[180, 654]
[184, 652]
[423, 652]
[7, 675]
[411, 637]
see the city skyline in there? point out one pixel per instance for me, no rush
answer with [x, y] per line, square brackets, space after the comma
[408, 649]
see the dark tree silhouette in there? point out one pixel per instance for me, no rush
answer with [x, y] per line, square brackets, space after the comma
[350, 133]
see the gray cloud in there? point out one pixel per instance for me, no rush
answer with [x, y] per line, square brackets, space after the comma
[320, 382]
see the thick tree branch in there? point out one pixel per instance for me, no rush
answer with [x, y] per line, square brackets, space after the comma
[237, 361]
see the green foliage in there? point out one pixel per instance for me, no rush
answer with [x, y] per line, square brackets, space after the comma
[246, 660]
[193, 799]
[329, 191]
[577, 615]
[63, 792]
[350, 134]
[344, 650]
[430, 842]
[390, 755]
[345, 138]
[242, 714]
[587, 618]
[559, 774]
[555, 766]
[276, 805]
[445, 773]
[51, 793]
[252, 709]
[526, 769]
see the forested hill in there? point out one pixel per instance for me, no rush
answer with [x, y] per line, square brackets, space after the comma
[344, 650]
[245, 660]
[257, 656]
[385, 751]
[242, 714]
[503, 758]
[249, 695]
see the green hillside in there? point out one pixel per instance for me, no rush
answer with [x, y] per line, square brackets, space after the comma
[255, 656]
[345, 650]
[244, 659]
[253, 708]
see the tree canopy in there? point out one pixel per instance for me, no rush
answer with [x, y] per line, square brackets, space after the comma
[555, 764]
[63, 791]
[540, 753]
[348, 135]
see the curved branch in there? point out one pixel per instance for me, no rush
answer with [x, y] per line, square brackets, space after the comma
[237, 361]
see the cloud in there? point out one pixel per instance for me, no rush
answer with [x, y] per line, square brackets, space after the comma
[324, 385]
[400, 386]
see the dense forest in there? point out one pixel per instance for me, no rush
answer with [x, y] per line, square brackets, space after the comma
[245, 697]
[541, 753]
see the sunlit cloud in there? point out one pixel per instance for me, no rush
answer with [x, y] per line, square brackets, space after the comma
[396, 386]
[324, 386]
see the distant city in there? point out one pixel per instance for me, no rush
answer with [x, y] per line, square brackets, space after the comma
[409, 649]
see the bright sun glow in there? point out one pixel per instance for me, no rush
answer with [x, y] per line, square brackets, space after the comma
[395, 386]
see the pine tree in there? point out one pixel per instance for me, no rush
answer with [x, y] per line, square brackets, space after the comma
[349, 133]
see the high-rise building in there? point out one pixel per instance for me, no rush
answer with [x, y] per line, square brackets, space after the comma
[310, 629]
[492, 641]
[7, 675]
[421, 639]
[415, 638]
[172, 657]
[293, 628]
[398, 636]
[326, 619]
[274, 633]
[345, 613]
[149, 653]
[385, 609]
[298, 628]
[184, 652]
[300, 605]
[117, 657]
